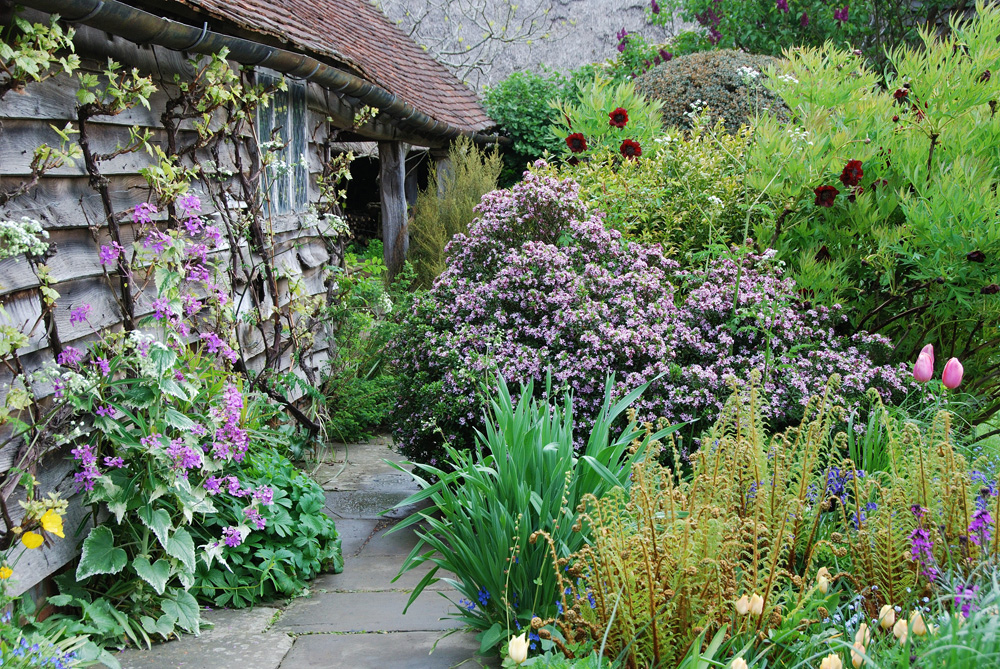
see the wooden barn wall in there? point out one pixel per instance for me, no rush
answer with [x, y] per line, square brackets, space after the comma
[71, 210]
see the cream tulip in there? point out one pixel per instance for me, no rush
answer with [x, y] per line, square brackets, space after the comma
[517, 648]
[900, 630]
[857, 655]
[831, 661]
[738, 663]
[864, 635]
[887, 617]
[756, 604]
[743, 605]
[917, 624]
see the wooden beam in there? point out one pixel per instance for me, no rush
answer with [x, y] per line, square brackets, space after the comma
[392, 186]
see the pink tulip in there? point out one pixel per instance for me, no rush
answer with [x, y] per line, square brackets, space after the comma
[951, 377]
[929, 352]
[923, 371]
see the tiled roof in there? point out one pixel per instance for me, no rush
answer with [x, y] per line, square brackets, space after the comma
[357, 34]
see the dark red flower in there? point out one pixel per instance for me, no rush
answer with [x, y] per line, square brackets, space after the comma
[895, 119]
[574, 161]
[576, 142]
[975, 256]
[618, 118]
[825, 195]
[984, 77]
[991, 289]
[631, 149]
[901, 94]
[851, 176]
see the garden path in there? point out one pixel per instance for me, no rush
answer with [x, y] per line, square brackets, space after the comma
[353, 619]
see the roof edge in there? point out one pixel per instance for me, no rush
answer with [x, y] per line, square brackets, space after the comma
[141, 27]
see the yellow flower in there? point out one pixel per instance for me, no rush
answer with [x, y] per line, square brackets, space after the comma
[857, 655]
[756, 604]
[31, 539]
[743, 605]
[5, 572]
[887, 617]
[823, 579]
[52, 523]
[831, 661]
[517, 648]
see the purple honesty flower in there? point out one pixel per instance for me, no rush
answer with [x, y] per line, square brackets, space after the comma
[117, 463]
[79, 314]
[231, 536]
[161, 308]
[253, 517]
[109, 254]
[88, 473]
[105, 411]
[213, 485]
[921, 551]
[70, 357]
[264, 494]
[965, 597]
[102, 365]
[841, 15]
[156, 241]
[979, 528]
[189, 204]
[143, 214]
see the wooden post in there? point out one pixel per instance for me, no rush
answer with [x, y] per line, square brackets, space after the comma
[392, 178]
[442, 168]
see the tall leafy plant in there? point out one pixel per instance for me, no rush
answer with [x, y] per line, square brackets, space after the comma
[524, 475]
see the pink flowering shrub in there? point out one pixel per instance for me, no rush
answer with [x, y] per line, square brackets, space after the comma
[540, 285]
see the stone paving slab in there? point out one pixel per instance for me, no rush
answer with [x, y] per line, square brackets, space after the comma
[366, 612]
[239, 638]
[373, 574]
[354, 534]
[400, 650]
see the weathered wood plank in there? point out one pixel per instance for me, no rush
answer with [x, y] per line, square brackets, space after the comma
[392, 189]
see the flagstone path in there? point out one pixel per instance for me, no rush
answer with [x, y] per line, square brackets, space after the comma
[353, 619]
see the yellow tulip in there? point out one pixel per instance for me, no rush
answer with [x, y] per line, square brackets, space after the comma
[743, 605]
[52, 523]
[900, 630]
[887, 617]
[517, 648]
[863, 635]
[5, 572]
[31, 539]
[823, 584]
[756, 604]
[738, 663]
[857, 655]
[831, 661]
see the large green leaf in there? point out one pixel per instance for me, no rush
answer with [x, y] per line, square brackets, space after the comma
[157, 520]
[181, 546]
[100, 556]
[182, 606]
[156, 574]
[176, 419]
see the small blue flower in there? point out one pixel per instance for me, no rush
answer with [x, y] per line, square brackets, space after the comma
[484, 597]
[559, 607]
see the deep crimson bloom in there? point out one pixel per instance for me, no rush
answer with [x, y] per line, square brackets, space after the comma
[576, 142]
[991, 289]
[804, 20]
[618, 118]
[851, 176]
[975, 256]
[895, 119]
[782, 6]
[840, 15]
[984, 77]
[630, 149]
[901, 94]
[825, 195]
[666, 55]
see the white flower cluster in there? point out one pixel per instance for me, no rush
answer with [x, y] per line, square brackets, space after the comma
[747, 73]
[787, 78]
[328, 225]
[384, 305]
[24, 236]
[799, 135]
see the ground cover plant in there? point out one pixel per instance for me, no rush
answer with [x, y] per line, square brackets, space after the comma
[539, 284]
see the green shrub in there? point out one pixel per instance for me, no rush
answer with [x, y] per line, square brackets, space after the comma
[887, 193]
[357, 386]
[727, 82]
[447, 206]
[524, 475]
[298, 543]
[592, 121]
[688, 191]
[521, 105]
